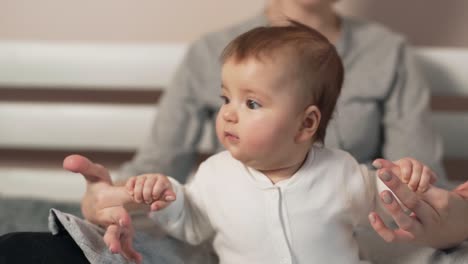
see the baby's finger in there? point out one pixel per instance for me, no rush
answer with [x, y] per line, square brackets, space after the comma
[130, 185]
[112, 239]
[424, 184]
[159, 205]
[415, 175]
[169, 195]
[155, 206]
[406, 169]
[161, 185]
[167, 198]
[427, 178]
[138, 191]
[148, 189]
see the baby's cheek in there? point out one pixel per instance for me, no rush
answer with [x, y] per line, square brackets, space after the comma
[261, 136]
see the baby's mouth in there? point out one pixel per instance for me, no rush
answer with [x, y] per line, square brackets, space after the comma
[231, 136]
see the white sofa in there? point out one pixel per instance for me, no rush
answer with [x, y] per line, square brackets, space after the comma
[57, 99]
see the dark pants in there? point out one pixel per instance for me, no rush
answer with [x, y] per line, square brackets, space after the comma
[35, 247]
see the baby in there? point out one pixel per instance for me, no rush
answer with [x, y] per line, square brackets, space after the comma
[276, 195]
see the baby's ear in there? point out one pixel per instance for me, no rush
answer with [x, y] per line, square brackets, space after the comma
[310, 124]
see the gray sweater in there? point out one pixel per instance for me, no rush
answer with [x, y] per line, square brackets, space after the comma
[382, 111]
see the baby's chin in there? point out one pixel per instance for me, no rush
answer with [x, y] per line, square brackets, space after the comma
[241, 157]
[251, 162]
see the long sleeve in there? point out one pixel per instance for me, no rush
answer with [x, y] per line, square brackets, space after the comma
[407, 127]
[360, 185]
[186, 218]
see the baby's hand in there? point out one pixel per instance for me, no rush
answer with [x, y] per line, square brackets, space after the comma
[410, 171]
[154, 189]
[417, 175]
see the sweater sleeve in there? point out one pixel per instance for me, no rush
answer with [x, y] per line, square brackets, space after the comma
[171, 146]
[187, 217]
[407, 127]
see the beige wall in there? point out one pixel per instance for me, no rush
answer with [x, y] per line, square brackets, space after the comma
[425, 22]
[119, 20]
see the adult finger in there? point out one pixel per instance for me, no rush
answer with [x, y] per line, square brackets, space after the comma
[126, 241]
[404, 194]
[402, 219]
[379, 226]
[386, 164]
[92, 172]
[386, 233]
[112, 238]
[462, 188]
[128, 250]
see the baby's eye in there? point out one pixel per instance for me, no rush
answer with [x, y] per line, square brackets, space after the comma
[225, 99]
[252, 104]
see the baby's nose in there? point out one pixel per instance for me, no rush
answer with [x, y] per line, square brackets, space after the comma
[230, 115]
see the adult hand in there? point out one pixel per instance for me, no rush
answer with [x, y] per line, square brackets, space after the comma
[437, 218]
[103, 204]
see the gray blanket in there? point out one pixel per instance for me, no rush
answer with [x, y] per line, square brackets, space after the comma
[26, 215]
[158, 248]
[155, 247]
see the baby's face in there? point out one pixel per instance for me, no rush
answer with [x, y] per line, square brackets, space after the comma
[261, 115]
